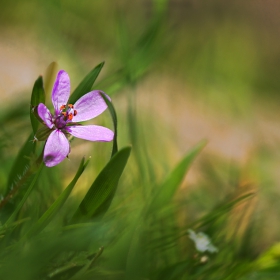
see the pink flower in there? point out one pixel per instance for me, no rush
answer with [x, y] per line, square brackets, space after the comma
[66, 117]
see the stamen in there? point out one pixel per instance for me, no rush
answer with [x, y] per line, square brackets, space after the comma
[75, 112]
[62, 107]
[70, 117]
[70, 106]
[64, 114]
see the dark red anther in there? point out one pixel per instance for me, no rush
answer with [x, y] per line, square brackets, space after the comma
[62, 107]
[70, 117]
[70, 106]
[75, 112]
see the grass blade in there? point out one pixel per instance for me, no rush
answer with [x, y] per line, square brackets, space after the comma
[56, 206]
[220, 210]
[171, 184]
[27, 193]
[86, 84]
[115, 123]
[99, 196]
[21, 163]
[37, 97]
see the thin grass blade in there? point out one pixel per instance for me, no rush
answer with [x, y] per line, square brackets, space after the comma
[56, 206]
[167, 190]
[99, 197]
[115, 123]
[221, 210]
[37, 97]
[86, 84]
[21, 163]
[26, 195]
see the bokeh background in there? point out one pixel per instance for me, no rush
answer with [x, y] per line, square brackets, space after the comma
[178, 71]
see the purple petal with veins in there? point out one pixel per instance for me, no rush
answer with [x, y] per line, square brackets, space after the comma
[61, 90]
[91, 132]
[89, 106]
[45, 114]
[56, 149]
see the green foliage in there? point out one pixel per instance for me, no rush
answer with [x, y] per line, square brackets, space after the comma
[101, 192]
[128, 217]
[21, 163]
[26, 195]
[115, 123]
[96, 201]
[86, 84]
[167, 189]
[138, 231]
[55, 207]
[37, 97]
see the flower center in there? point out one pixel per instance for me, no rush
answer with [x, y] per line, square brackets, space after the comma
[65, 116]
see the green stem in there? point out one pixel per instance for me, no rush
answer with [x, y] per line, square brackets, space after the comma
[31, 186]
[30, 171]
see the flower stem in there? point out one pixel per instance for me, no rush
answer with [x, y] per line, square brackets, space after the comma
[32, 169]
[27, 193]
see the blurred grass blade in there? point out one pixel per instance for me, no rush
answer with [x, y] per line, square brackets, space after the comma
[14, 112]
[269, 259]
[115, 123]
[171, 184]
[21, 163]
[113, 83]
[56, 206]
[220, 210]
[86, 84]
[160, 6]
[27, 193]
[169, 240]
[49, 77]
[37, 97]
[99, 196]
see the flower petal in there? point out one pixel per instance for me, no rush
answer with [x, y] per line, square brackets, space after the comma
[56, 149]
[45, 114]
[91, 132]
[89, 106]
[61, 90]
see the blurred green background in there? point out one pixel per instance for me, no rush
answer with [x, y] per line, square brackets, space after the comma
[178, 71]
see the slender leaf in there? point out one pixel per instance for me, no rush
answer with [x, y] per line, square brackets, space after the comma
[167, 190]
[98, 198]
[37, 97]
[115, 123]
[21, 163]
[160, 6]
[14, 112]
[114, 82]
[56, 206]
[49, 77]
[27, 193]
[220, 210]
[86, 84]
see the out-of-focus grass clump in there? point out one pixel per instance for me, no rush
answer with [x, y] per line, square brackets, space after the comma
[82, 219]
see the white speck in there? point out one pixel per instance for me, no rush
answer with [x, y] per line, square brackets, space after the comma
[202, 242]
